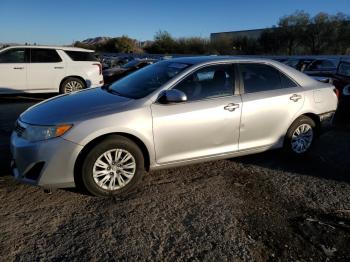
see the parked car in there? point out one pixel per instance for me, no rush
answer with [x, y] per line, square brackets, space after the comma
[48, 69]
[110, 62]
[321, 67]
[175, 112]
[299, 63]
[111, 75]
[341, 80]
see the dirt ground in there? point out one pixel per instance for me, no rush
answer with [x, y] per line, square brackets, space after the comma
[263, 207]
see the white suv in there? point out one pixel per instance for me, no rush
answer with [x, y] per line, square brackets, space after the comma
[48, 69]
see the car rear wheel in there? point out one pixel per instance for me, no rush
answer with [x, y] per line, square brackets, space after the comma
[71, 84]
[300, 136]
[113, 167]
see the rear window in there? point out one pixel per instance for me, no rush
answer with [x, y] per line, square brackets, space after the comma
[81, 56]
[39, 55]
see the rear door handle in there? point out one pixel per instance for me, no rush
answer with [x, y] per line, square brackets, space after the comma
[59, 67]
[18, 68]
[295, 97]
[231, 107]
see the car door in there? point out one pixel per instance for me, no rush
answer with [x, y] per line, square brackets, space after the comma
[13, 70]
[270, 102]
[206, 125]
[45, 71]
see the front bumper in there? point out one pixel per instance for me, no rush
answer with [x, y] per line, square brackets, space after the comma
[48, 163]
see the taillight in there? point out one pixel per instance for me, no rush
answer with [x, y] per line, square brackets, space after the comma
[336, 91]
[99, 67]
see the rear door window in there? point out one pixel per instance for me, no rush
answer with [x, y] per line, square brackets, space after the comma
[261, 77]
[41, 55]
[287, 82]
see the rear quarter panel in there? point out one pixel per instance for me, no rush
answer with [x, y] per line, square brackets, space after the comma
[85, 69]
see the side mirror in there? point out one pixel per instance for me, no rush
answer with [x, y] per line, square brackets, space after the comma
[346, 90]
[172, 96]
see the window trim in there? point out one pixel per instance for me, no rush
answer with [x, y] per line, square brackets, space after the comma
[235, 89]
[242, 88]
[30, 56]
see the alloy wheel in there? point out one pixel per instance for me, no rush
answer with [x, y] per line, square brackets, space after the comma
[114, 169]
[302, 138]
[72, 86]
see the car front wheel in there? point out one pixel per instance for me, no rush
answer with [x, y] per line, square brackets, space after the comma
[300, 136]
[113, 167]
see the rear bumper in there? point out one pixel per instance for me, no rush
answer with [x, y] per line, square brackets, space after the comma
[97, 84]
[326, 121]
[95, 81]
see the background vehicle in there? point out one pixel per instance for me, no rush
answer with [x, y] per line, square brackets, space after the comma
[172, 113]
[327, 70]
[341, 80]
[299, 63]
[111, 75]
[48, 69]
[321, 67]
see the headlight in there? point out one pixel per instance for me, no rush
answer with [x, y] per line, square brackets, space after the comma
[36, 133]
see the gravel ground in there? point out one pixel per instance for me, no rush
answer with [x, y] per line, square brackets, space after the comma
[263, 207]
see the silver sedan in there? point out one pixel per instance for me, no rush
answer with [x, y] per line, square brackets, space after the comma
[172, 113]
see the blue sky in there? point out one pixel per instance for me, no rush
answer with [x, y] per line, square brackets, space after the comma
[62, 22]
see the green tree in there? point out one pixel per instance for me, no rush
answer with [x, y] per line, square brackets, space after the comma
[292, 30]
[124, 44]
[163, 43]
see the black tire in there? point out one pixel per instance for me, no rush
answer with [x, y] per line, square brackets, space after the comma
[302, 120]
[64, 88]
[110, 143]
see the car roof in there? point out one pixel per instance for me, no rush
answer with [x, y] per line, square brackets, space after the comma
[206, 59]
[299, 77]
[65, 48]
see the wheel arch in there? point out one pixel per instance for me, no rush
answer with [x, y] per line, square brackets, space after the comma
[316, 119]
[311, 115]
[73, 76]
[96, 140]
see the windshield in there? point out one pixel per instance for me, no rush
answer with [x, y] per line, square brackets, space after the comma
[144, 81]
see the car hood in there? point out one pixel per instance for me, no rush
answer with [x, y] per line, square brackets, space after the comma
[74, 107]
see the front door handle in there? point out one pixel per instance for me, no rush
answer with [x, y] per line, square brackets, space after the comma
[18, 68]
[295, 97]
[231, 107]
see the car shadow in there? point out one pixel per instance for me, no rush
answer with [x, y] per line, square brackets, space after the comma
[313, 164]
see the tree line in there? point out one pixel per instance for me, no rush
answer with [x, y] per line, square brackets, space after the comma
[295, 34]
